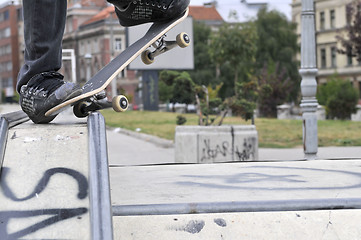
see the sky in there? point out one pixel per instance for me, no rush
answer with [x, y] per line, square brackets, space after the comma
[226, 5]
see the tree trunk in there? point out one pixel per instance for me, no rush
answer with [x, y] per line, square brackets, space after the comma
[200, 115]
[235, 83]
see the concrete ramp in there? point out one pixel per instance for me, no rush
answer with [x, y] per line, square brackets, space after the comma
[46, 191]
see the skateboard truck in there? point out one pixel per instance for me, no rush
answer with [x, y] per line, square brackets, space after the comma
[99, 101]
[161, 46]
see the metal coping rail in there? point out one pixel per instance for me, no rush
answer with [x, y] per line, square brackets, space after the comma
[241, 206]
[100, 204]
[7, 121]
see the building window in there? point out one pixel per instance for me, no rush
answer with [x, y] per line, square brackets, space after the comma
[322, 20]
[19, 13]
[96, 45]
[118, 44]
[333, 57]
[7, 32]
[349, 57]
[6, 15]
[348, 14]
[332, 19]
[323, 58]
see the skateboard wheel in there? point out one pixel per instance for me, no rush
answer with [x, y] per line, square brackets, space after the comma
[147, 58]
[183, 40]
[79, 111]
[120, 103]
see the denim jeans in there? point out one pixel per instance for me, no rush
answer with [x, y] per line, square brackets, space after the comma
[44, 23]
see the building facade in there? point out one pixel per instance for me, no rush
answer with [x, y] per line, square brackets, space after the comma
[330, 20]
[93, 31]
[10, 52]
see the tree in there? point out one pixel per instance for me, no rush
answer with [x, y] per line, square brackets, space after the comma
[204, 72]
[351, 44]
[277, 46]
[274, 87]
[234, 44]
[208, 103]
[176, 87]
[245, 104]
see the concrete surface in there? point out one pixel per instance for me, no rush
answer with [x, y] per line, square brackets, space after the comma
[301, 225]
[234, 182]
[44, 183]
[252, 183]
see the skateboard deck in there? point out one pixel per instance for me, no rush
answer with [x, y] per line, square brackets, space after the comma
[103, 78]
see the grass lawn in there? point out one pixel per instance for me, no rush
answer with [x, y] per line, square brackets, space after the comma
[272, 133]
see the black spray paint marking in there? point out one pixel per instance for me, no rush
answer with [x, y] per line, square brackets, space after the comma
[220, 222]
[193, 227]
[56, 215]
[226, 149]
[43, 182]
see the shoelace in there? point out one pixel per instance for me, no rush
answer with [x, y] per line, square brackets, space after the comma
[50, 82]
[153, 3]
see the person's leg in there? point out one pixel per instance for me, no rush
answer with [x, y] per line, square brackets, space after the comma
[136, 12]
[40, 86]
[44, 22]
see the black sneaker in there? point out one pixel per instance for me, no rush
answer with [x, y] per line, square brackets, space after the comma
[44, 91]
[135, 12]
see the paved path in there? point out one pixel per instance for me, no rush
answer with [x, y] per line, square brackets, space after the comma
[127, 150]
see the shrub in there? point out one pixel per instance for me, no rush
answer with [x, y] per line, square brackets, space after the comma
[339, 97]
[181, 120]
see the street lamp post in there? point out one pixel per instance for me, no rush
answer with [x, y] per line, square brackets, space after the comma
[88, 59]
[308, 71]
[114, 82]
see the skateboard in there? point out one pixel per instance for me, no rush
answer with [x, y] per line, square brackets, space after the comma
[94, 98]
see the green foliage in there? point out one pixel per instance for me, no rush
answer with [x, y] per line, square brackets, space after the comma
[277, 46]
[235, 44]
[339, 97]
[176, 87]
[243, 108]
[181, 120]
[165, 92]
[351, 44]
[275, 87]
[204, 72]
[245, 104]
[183, 89]
[210, 104]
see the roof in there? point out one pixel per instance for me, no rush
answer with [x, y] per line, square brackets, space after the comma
[205, 13]
[103, 14]
[201, 13]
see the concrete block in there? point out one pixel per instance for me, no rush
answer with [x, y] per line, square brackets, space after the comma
[211, 144]
[357, 116]
[321, 113]
[284, 111]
